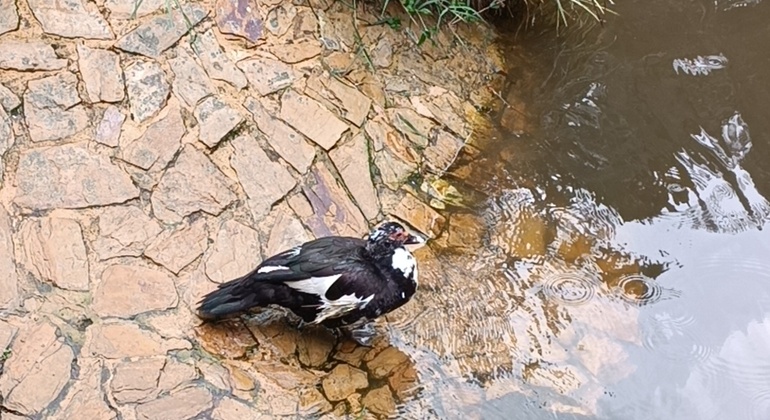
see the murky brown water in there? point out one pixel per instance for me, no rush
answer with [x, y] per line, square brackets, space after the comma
[621, 270]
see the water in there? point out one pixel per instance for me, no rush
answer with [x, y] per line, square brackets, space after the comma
[621, 269]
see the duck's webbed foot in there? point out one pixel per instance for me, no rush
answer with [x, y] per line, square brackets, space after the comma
[362, 333]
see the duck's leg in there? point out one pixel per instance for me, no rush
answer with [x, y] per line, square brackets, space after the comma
[362, 332]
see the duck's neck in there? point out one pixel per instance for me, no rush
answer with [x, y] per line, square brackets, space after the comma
[399, 264]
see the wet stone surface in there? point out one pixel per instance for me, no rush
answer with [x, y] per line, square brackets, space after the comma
[145, 159]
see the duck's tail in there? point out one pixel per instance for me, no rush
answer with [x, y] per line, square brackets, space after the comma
[230, 299]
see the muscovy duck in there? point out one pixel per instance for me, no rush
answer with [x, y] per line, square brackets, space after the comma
[335, 281]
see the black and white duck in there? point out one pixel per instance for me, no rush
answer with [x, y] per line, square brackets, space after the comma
[335, 281]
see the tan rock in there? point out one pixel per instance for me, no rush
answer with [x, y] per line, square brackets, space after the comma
[442, 151]
[101, 73]
[176, 248]
[125, 231]
[280, 19]
[287, 142]
[287, 231]
[266, 75]
[229, 339]
[69, 176]
[350, 352]
[240, 379]
[351, 158]
[85, 398]
[380, 401]
[161, 32]
[403, 381]
[229, 408]
[157, 146]
[193, 184]
[9, 16]
[147, 89]
[190, 83]
[311, 119]
[235, 252]
[449, 110]
[183, 404]
[7, 334]
[351, 104]
[395, 160]
[126, 291]
[175, 374]
[215, 374]
[32, 55]
[312, 402]
[37, 370]
[215, 61]
[411, 124]
[263, 180]
[71, 19]
[241, 18]
[342, 381]
[7, 137]
[297, 50]
[136, 381]
[386, 362]
[314, 346]
[116, 340]
[216, 119]
[54, 251]
[51, 108]
[419, 215]
[121, 9]
[9, 286]
[108, 130]
[333, 211]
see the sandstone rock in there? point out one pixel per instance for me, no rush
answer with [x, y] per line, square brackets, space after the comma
[136, 381]
[312, 403]
[386, 362]
[6, 137]
[411, 124]
[121, 9]
[229, 340]
[215, 61]
[267, 75]
[392, 157]
[85, 398]
[380, 401]
[382, 54]
[352, 104]
[54, 251]
[126, 291]
[314, 346]
[101, 73]
[125, 231]
[216, 120]
[342, 381]
[193, 184]
[403, 381]
[288, 143]
[419, 215]
[311, 119]
[9, 16]
[175, 374]
[155, 149]
[71, 19]
[69, 176]
[263, 180]
[158, 34]
[51, 108]
[352, 161]
[215, 374]
[280, 18]
[240, 379]
[229, 408]
[119, 339]
[447, 109]
[351, 353]
[7, 334]
[296, 50]
[147, 89]
[31, 55]
[108, 130]
[183, 404]
[240, 18]
[9, 287]
[8, 100]
[176, 248]
[37, 370]
[287, 231]
[190, 81]
[235, 252]
[442, 151]
[333, 211]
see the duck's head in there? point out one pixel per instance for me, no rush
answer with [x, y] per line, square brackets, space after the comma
[389, 236]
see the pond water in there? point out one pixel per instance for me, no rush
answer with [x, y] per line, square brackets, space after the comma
[617, 265]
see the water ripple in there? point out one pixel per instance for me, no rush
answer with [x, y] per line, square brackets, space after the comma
[571, 288]
[641, 290]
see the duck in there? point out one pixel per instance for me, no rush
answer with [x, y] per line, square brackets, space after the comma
[340, 282]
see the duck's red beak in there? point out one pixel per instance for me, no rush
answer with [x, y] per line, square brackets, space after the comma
[413, 240]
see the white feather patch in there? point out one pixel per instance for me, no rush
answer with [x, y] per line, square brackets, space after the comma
[329, 308]
[404, 261]
[271, 268]
[314, 285]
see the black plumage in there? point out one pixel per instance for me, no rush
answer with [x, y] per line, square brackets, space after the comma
[334, 281]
